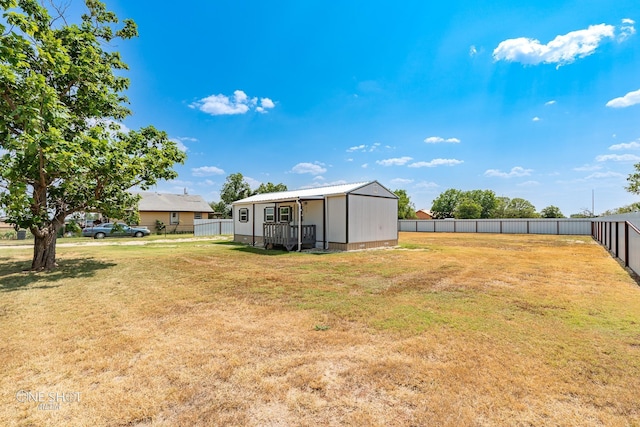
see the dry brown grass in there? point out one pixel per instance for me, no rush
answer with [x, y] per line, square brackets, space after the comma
[448, 330]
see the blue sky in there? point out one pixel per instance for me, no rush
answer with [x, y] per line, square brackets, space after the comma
[539, 100]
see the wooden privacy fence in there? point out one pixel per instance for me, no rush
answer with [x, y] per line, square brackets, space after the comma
[212, 227]
[506, 226]
[622, 238]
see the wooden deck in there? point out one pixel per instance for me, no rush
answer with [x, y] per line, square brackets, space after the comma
[287, 235]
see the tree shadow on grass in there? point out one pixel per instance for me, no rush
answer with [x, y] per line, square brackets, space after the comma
[14, 275]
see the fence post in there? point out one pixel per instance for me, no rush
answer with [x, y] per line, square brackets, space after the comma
[617, 241]
[626, 244]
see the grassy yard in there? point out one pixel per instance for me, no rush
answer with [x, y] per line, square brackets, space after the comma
[449, 329]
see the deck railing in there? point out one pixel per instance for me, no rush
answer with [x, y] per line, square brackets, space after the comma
[287, 235]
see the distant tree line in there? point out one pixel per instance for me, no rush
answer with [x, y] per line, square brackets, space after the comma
[478, 204]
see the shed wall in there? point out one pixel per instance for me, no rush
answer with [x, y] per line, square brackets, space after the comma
[312, 214]
[336, 219]
[372, 219]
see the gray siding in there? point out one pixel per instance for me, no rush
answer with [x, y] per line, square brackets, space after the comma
[372, 219]
[312, 214]
[212, 227]
[336, 219]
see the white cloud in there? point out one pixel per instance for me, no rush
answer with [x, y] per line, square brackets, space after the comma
[318, 178]
[473, 51]
[604, 175]
[398, 161]
[365, 165]
[206, 171]
[515, 172]
[564, 49]
[361, 147]
[240, 103]
[253, 183]
[626, 29]
[635, 145]
[310, 168]
[265, 104]
[618, 158]
[439, 139]
[529, 184]
[436, 162]
[401, 181]
[426, 185]
[631, 98]
[536, 119]
[180, 145]
[552, 102]
[587, 168]
[375, 146]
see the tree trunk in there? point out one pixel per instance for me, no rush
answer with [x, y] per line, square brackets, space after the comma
[44, 249]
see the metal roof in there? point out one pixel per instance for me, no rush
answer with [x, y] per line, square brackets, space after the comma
[307, 193]
[172, 203]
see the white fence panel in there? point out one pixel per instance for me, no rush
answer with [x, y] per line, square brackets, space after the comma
[515, 227]
[445, 226]
[212, 227]
[580, 227]
[489, 226]
[634, 250]
[622, 254]
[407, 225]
[426, 226]
[543, 227]
[462, 226]
[575, 226]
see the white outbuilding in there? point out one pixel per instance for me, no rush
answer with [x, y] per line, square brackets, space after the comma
[339, 217]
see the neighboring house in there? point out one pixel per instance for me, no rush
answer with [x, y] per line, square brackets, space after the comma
[5, 227]
[341, 217]
[175, 211]
[424, 214]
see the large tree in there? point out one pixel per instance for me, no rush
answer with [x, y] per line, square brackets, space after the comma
[234, 188]
[406, 209]
[444, 205]
[551, 212]
[520, 208]
[468, 209]
[270, 187]
[61, 147]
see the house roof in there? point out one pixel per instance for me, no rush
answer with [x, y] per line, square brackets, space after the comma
[306, 193]
[172, 203]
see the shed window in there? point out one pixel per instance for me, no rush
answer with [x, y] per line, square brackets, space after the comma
[197, 215]
[269, 214]
[243, 215]
[285, 214]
